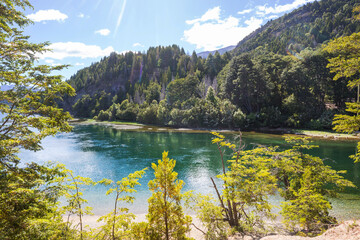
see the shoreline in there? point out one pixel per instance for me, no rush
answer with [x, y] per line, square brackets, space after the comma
[344, 230]
[132, 126]
[90, 221]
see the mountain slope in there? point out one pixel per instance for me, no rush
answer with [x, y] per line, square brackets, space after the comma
[308, 26]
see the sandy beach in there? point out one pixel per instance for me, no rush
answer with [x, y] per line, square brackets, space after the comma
[348, 230]
[91, 222]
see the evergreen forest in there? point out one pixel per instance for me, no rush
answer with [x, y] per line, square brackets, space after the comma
[275, 77]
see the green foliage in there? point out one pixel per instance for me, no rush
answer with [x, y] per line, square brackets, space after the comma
[226, 112]
[162, 114]
[259, 80]
[28, 107]
[345, 63]
[28, 202]
[117, 224]
[304, 181]
[308, 208]
[209, 213]
[244, 85]
[128, 111]
[356, 156]
[72, 190]
[104, 116]
[262, 86]
[271, 117]
[153, 92]
[81, 107]
[214, 64]
[307, 26]
[12, 16]
[348, 123]
[181, 89]
[165, 215]
[246, 186]
[249, 183]
[148, 113]
[211, 96]
[240, 119]
[325, 121]
[28, 113]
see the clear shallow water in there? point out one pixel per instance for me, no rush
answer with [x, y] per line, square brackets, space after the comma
[103, 152]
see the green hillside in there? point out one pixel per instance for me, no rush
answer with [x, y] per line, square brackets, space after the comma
[308, 26]
[275, 77]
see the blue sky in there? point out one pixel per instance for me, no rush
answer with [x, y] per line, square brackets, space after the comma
[84, 31]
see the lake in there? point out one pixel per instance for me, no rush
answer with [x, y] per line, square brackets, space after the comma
[99, 151]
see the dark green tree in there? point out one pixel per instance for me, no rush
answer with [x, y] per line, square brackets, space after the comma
[182, 89]
[153, 92]
[28, 113]
[245, 86]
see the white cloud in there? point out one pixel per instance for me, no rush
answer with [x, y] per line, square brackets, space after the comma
[61, 50]
[211, 14]
[123, 52]
[81, 15]
[47, 15]
[210, 31]
[272, 17]
[265, 10]
[138, 45]
[245, 11]
[103, 32]
[218, 33]
[79, 64]
[51, 62]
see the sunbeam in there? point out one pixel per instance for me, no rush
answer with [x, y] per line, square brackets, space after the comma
[120, 17]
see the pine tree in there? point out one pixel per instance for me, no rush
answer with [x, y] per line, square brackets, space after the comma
[166, 217]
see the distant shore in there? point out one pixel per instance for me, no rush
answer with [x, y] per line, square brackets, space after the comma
[277, 131]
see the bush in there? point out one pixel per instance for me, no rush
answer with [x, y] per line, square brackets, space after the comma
[176, 116]
[271, 117]
[323, 122]
[240, 119]
[103, 116]
[128, 111]
[148, 114]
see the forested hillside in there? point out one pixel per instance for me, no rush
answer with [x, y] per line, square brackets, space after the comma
[308, 26]
[277, 76]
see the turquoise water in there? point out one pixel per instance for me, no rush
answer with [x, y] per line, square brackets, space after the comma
[103, 152]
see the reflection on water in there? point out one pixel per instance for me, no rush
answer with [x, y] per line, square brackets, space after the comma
[103, 152]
